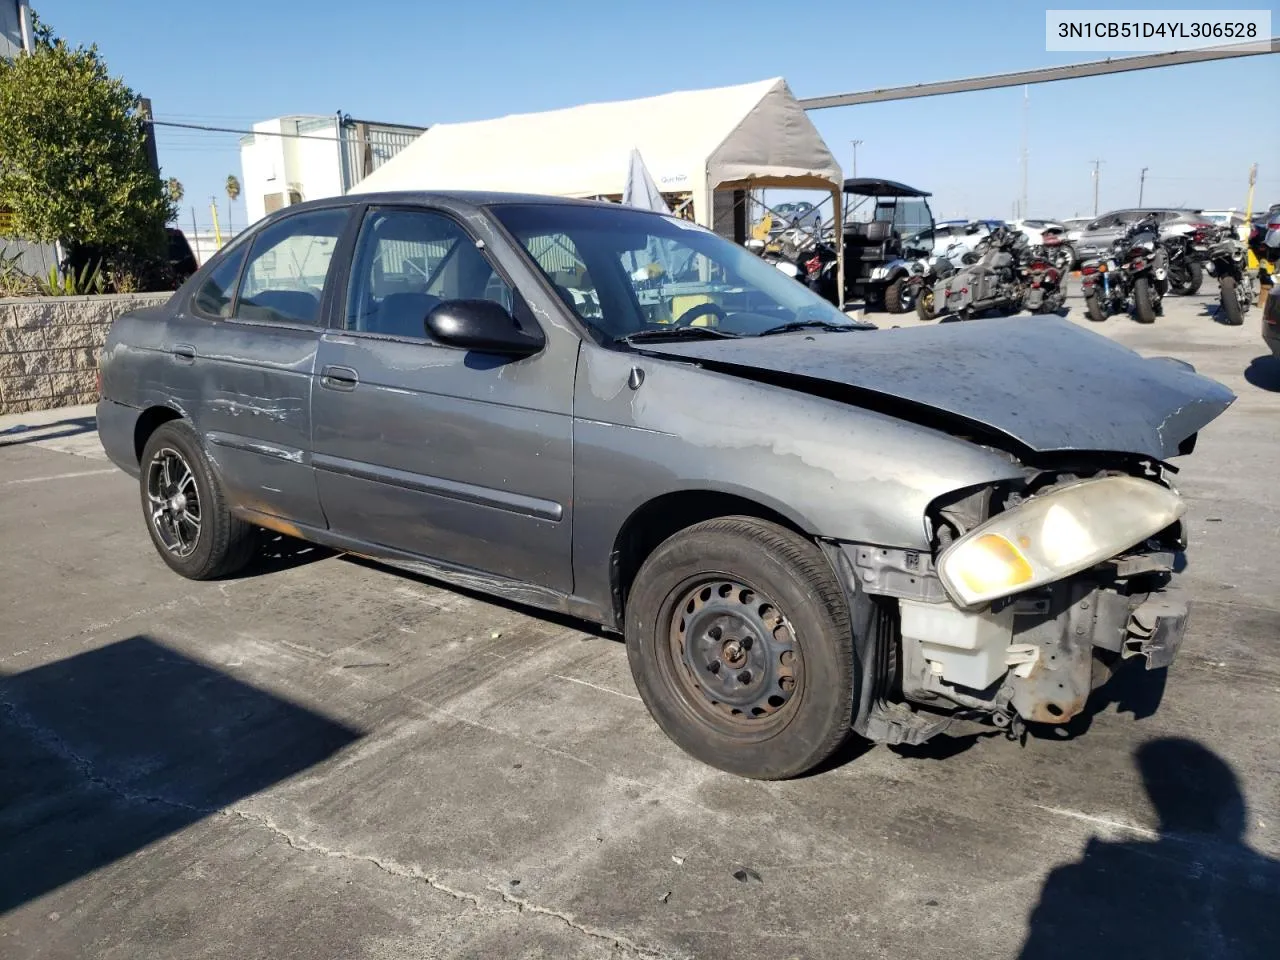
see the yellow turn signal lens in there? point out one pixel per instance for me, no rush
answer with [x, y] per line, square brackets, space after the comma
[992, 564]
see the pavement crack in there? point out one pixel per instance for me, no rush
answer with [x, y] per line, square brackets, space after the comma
[614, 940]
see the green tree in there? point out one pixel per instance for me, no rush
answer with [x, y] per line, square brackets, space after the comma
[173, 187]
[73, 159]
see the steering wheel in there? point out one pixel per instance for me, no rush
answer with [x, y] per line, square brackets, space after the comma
[700, 310]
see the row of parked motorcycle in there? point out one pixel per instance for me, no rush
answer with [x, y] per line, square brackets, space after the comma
[1143, 266]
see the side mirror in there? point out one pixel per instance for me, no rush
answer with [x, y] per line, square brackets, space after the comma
[480, 325]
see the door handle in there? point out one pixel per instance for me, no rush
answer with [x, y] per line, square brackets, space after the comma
[339, 378]
[183, 352]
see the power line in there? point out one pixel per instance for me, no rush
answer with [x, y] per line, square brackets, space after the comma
[251, 133]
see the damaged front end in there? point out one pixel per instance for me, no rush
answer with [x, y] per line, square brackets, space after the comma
[935, 651]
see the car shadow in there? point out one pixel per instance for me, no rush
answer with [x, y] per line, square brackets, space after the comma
[551, 616]
[24, 433]
[1264, 373]
[106, 752]
[1191, 888]
[276, 553]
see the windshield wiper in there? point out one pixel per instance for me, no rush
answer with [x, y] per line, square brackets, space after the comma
[808, 325]
[676, 332]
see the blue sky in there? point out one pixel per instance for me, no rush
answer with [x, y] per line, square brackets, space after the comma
[1196, 127]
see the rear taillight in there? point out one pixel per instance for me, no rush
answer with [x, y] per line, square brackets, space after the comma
[813, 265]
[1088, 269]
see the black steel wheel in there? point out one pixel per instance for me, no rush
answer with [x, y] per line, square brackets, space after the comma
[186, 510]
[739, 640]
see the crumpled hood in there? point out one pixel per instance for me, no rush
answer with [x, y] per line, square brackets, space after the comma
[1044, 382]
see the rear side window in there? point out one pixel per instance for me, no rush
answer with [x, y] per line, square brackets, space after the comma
[214, 297]
[288, 263]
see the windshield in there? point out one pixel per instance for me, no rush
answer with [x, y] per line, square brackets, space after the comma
[626, 272]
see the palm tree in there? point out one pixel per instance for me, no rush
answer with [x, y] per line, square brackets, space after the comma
[233, 191]
[173, 187]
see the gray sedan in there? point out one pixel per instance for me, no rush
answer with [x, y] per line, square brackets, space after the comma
[803, 527]
[1095, 238]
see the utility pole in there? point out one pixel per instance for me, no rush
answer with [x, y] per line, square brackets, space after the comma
[855, 144]
[195, 235]
[1142, 182]
[1026, 121]
[1097, 176]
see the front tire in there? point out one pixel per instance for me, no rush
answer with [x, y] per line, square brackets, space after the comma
[1190, 283]
[739, 639]
[1229, 297]
[894, 301]
[1144, 307]
[924, 305]
[185, 507]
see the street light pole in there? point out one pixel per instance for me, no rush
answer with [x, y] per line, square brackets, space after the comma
[1097, 176]
[1142, 182]
[855, 144]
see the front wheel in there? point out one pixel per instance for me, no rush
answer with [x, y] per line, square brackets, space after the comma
[739, 639]
[1144, 307]
[185, 508]
[924, 305]
[1189, 280]
[898, 295]
[1229, 297]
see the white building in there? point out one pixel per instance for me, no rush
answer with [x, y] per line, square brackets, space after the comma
[291, 159]
[15, 27]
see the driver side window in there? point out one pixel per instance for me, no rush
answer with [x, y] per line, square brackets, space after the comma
[407, 262]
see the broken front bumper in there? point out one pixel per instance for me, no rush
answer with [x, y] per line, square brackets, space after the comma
[1035, 657]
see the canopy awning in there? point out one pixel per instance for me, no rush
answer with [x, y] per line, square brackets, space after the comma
[695, 142]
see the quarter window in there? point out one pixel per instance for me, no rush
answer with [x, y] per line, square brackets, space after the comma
[216, 294]
[408, 262]
[285, 276]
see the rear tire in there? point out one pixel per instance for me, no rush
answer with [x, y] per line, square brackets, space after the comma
[739, 640]
[1093, 307]
[185, 508]
[1229, 297]
[1144, 308]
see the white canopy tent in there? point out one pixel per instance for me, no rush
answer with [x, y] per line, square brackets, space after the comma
[694, 142]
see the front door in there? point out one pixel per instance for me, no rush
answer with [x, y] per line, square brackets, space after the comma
[243, 352]
[448, 454]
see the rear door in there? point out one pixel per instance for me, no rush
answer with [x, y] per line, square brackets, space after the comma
[242, 357]
[445, 453]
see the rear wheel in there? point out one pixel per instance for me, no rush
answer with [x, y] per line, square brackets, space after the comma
[186, 510]
[1144, 307]
[739, 640]
[1229, 297]
[1093, 307]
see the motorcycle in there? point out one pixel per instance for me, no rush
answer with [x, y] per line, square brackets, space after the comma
[993, 282]
[1058, 251]
[1186, 252]
[1136, 273]
[1237, 284]
[1041, 281]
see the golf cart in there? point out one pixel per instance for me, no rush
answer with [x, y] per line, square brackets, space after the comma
[878, 216]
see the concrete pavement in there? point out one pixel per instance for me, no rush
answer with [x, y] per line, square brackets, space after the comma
[326, 759]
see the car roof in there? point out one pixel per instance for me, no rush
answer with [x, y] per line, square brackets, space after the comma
[475, 198]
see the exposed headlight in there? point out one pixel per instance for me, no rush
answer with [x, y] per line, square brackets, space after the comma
[1054, 535]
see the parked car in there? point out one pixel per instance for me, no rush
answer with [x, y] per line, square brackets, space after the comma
[802, 525]
[1095, 239]
[1271, 320]
[801, 214]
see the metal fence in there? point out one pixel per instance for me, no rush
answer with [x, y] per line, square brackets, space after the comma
[366, 147]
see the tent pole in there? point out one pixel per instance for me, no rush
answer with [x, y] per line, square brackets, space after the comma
[837, 195]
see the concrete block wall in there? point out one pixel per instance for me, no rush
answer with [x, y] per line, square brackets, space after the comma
[49, 347]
